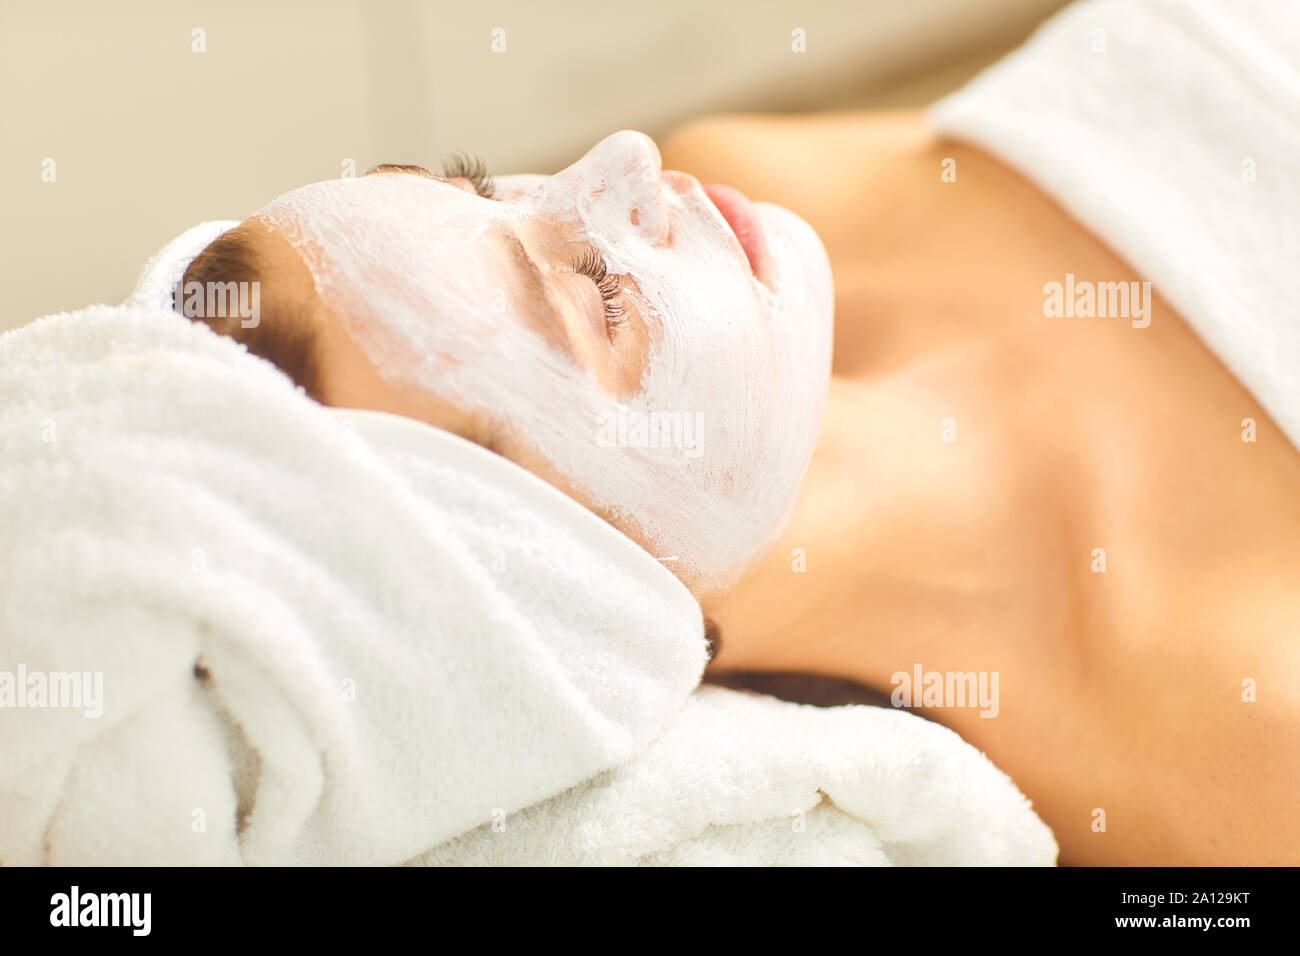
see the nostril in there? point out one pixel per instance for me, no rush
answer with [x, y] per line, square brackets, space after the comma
[635, 217]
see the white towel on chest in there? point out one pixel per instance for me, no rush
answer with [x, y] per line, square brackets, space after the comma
[1171, 129]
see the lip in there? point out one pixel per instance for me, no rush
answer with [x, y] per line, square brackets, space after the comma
[743, 219]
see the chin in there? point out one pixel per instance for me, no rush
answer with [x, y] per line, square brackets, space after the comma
[802, 269]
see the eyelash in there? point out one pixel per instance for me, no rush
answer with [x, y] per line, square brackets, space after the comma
[592, 265]
[462, 166]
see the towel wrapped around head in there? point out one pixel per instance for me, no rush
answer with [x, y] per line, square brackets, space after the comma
[1171, 130]
[319, 636]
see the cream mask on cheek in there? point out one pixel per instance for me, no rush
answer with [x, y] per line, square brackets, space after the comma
[705, 459]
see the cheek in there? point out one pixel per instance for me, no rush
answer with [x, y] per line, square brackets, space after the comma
[696, 309]
[632, 340]
[691, 281]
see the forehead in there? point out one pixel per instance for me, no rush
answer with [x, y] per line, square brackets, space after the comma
[406, 236]
[390, 225]
[399, 202]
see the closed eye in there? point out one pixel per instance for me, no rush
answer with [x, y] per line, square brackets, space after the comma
[592, 264]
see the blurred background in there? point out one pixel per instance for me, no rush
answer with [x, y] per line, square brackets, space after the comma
[126, 123]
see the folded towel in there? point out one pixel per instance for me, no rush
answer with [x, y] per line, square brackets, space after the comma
[743, 779]
[314, 651]
[312, 635]
[1170, 129]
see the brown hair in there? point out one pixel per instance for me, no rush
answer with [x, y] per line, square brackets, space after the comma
[712, 636]
[284, 333]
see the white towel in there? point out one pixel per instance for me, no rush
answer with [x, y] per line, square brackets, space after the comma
[747, 780]
[1170, 129]
[399, 642]
[167, 266]
[331, 636]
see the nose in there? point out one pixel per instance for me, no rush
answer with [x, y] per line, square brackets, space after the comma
[621, 190]
[631, 143]
[679, 182]
[628, 154]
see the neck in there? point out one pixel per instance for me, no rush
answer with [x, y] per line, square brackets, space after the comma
[790, 610]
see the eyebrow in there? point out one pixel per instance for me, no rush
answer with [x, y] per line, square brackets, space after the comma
[403, 168]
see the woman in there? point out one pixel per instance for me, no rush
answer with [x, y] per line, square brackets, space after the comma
[974, 464]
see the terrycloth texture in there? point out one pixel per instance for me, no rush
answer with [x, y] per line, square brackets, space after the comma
[1171, 129]
[397, 643]
[346, 637]
[745, 779]
[165, 269]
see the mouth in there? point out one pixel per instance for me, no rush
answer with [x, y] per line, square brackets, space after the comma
[744, 221]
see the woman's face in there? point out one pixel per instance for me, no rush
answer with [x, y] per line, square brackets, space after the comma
[658, 349]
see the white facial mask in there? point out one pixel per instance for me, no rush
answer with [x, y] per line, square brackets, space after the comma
[416, 272]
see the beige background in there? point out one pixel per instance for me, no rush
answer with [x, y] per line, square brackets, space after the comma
[149, 137]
